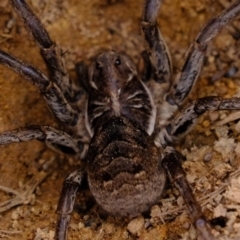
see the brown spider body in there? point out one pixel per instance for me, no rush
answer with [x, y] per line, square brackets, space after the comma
[124, 164]
[132, 120]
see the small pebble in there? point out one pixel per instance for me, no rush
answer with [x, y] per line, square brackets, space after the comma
[211, 59]
[15, 215]
[155, 211]
[206, 123]
[237, 127]
[27, 223]
[214, 116]
[85, 217]
[73, 226]
[36, 211]
[46, 207]
[237, 149]
[230, 84]
[136, 225]
[76, 216]
[38, 191]
[219, 211]
[208, 157]
[223, 115]
[15, 224]
[80, 225]
[33, 199]
[109, 228]
[125, 235]
[186, 225]
[236, 226]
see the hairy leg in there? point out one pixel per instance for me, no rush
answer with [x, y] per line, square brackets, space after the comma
[58, 104]
[51, 53]
[189, 73]
[66, 203]
[176, 174]
[159, 81]
[54, 138]
[185, 120]
[158, 51]
[62, 96]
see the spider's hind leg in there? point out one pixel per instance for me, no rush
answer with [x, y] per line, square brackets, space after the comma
[176, 174]
[66, 202]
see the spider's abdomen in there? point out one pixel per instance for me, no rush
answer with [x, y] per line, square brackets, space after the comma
[124, 168]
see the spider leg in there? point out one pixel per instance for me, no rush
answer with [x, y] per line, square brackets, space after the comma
[188, 75]
[58, 140]
[158, 51]
[61, 94]
[66, 202]
[175, 172]
[184, 121]
[51, 53]
[51, 92]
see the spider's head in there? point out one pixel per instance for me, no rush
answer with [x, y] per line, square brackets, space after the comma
[115, 90]
[110, 72]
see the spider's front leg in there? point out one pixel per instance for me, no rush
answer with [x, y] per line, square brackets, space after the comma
[171, 95]
[192, 66]
[188, 75]
[51, 53]
[157, 49]
[176, 174]
[58, 90]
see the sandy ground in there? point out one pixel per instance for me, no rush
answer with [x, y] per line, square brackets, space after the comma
[212, 151]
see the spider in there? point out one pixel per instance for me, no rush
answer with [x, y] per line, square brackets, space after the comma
[132, 121]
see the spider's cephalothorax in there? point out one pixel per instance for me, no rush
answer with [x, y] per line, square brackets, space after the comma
[131, 126]
[115, 90]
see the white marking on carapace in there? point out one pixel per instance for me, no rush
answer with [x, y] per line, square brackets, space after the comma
[152, 119]
[115, 103]
[134, 94]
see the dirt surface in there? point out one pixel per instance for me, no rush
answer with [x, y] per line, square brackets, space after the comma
[212, 151]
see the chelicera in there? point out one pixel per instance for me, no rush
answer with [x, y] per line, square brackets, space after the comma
[131, 120]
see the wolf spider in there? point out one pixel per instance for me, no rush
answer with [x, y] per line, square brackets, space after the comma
[132, 123]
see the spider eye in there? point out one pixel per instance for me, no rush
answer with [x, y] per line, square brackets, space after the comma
[117, 61]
